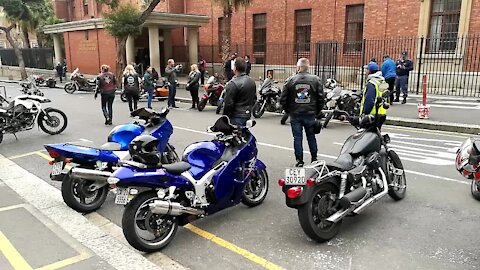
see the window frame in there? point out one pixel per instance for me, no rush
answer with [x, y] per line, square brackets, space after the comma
[221, 26]
[259, 30]
[351, 46]
[307, 29]
[442, 45]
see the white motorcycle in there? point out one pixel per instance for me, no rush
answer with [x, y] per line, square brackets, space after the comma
[21, 112]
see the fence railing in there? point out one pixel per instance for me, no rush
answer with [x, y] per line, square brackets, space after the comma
[41, 58]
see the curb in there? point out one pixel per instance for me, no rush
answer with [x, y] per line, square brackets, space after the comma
[48, 200]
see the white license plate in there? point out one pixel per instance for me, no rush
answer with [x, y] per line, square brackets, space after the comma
[57, 168]
[295, 176]
[122, 196]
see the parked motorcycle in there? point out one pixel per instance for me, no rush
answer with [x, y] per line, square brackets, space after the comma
[41, 81]
[339, 99]
[85, 187]
[80, 83]
[30, 88]
[468, 164]
[21, 112]
[213, 90]
[213, 176]
[160, 92]
[269, 98]
[325, 192]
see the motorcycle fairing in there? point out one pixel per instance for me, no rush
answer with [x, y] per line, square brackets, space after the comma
[131, 176]
[124, 134]
[82, 154]
[201, 156]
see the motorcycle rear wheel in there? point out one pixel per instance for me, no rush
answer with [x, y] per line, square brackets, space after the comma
[141, 227]
[394, 162]
[256, 189]
[75, 194]
[219, 107]
[313, 214]
[257, 110]
[201, 104]
[475, 187]
[54, 120]
[70, 88]
[327, 119]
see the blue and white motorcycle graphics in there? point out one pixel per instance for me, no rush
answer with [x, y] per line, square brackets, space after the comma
[213, 175]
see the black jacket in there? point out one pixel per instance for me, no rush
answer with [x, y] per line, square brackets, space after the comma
[131, 84]
[302, 94]
[193, 79]
[240, 95]
[407, 65]
[249, 68]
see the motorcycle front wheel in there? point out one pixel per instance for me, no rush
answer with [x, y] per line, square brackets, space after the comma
[327, 119]
[123, 97]
[144, 230]
[313, 214]
[78, 195]
[397, 183]
[201, 104]
[257, 110]
[53, 121]
[256, 189]
[476, 189]
[70, 88]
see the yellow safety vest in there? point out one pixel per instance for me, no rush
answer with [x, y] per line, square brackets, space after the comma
[381, 110]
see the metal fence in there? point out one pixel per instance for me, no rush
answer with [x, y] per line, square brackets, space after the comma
[41, 58]
[452, 66]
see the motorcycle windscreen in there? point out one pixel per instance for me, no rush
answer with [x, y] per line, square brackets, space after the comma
[361, 143]
[124, 134]
[202, 156]
[162, 132]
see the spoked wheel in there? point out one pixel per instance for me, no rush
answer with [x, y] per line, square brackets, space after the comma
[201, 104]
[476, 189]
[257, 110]
[53, 121]
[81, 196]
[70, 88]
[397, 180]
[256, 189]
[145, 230]
[313, 214]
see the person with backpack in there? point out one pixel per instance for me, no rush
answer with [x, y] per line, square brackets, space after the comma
[131, 86]
[106, 86]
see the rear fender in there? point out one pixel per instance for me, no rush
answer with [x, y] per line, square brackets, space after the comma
[81, 154]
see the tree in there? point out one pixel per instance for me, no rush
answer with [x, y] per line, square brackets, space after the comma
[123, 21]
[228, 6]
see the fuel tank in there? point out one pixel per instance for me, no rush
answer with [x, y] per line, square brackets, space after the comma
[202, 155]
[124, 134]
[362, 143]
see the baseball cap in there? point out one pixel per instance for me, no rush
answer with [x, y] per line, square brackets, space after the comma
[372, 66]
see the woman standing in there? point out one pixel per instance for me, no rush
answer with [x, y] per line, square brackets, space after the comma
[106, 86]
[131, 84]
[193, 84]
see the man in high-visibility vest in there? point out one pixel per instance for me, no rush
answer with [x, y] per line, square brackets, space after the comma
[371, 92]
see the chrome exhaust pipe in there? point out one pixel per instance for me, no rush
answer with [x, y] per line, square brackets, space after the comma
[161, 207]
[88, 174]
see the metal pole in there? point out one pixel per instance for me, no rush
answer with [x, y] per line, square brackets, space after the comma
[363, 62]
[420, 64]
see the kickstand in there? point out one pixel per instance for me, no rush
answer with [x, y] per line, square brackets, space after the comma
[15, 136]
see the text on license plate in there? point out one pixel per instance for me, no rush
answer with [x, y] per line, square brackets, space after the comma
[295, 176]
[122, 196]
[57, 168]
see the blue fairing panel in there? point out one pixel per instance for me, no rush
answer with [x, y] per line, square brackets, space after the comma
[155, 177]
[82, 154]
[201, 156]
[163, 133]
[124, 134]
[259, 165]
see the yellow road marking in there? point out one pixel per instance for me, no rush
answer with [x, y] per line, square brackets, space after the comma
[63, 263]
[44, 156]
[232, 247]
[24, 155]
[12, 207]
[12, 255]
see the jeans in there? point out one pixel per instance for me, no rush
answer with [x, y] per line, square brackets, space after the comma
[402, 84]
[132, 100]
[150, 96]
[194, 94]
[239, 121]
[298, 123]
[107, 104]
[172, 91]
[391, 87]
[202, 77]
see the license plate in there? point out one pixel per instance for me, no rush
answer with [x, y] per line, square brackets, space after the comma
[57, 168]
[122, 196]
[295, 176]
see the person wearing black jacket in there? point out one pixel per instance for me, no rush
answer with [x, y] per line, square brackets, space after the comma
[302, 98]
[240, 95]
[131, 86]
[404, 66]
[193, 84]
[106, 86]
[249, 65]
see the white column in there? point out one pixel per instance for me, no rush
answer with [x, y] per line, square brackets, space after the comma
[154, 47]
[57, 47]
[130, 49]
[192, 39]
[167, 42]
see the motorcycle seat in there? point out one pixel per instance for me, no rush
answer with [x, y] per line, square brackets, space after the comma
[344, 162]
[177, 168]
[110, 146]
[92, 81]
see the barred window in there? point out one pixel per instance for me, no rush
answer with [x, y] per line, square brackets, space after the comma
[444, 21]
[259, 32]
[303, 29]
[354, 28]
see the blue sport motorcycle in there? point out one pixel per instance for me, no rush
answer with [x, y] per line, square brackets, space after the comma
[214, 175]
[84, 186]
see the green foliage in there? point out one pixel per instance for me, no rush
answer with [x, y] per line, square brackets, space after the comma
[15, 9]
[123, 21]
[230, 4]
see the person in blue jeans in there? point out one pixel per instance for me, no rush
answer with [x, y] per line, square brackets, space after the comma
[148, 85]
[404, 66]
[389, 73]
[171, 71]
[302, 98]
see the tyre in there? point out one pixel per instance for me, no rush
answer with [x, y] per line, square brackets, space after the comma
[201, 104]
[284, 119]
[53, 122]
[123, 97]
[327, 119]
[1, 136]
[475, 189]
[313, 214]
[77, 194]
[397, 184]
[256, 189]
[257, 110]
[219, 107]
[145, 230]
[70, 88]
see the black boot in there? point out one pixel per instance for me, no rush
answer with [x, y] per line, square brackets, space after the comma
[404, 100]
[300, 163]
[106, 121]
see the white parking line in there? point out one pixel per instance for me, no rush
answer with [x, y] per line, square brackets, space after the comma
[329, 156]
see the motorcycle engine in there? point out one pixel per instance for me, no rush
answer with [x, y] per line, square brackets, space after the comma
[22, 118]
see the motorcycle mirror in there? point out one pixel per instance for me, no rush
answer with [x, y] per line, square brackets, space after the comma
[209, 129]
[251, 123]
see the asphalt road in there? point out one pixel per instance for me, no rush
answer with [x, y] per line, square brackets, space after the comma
[434, 227]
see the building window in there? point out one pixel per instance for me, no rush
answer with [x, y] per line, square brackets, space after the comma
[259, 32]
[303, 27]
[85, 7]
[354, 28]
[444, 21]
[221, 29]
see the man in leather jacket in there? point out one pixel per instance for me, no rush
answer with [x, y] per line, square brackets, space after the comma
[240, 95]
[302, 98]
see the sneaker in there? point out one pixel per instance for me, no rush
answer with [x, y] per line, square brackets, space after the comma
[107, 121]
